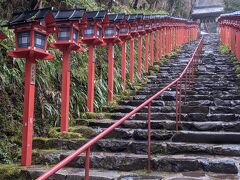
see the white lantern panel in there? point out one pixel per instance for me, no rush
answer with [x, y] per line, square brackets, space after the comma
[23, 39]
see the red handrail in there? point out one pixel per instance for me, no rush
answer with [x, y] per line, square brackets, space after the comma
[189, 76]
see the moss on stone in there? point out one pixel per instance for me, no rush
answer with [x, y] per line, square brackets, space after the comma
[85, 131]
[223, 49]
[11, 171]
[55, 133]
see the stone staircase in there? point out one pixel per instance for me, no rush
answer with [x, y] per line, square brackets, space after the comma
[208, 139]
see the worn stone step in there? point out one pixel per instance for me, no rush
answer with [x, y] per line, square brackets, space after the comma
[130, 162]
[184, 117]
[137, 134]
[170, 163]
[68, 173]
[169, 96]
[171, 125]
[139, 147]
[220, 137]
[188, 103]
[172, 109]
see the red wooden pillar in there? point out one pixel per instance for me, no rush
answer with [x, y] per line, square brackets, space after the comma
[151, 49]
[131, 60]
[171, 39]
[28, 113]
[65, 90]
[232, 40]
[224, 35]
[164, 41]
[146, 52]
[123, 65]
[157, 44]
[167, 41]
[160, 44]
[139, 56]
[110, 71]
[238, 44]
[91, 74]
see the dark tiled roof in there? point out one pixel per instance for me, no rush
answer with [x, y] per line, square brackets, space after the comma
[29, 16]
[95, 15]
[116, 17]
[71, 15]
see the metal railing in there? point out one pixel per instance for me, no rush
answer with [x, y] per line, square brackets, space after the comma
[188, 76]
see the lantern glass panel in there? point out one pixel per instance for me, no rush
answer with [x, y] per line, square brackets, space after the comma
[109, 31]
[89, 31]
[40, 40]
[140, 27]
[23, 39]
[75, 35]
[123, 31]
[64, 34]
[133, 28]
[147, 26]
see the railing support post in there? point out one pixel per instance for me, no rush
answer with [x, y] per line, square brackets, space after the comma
[149, 138]
[87, 164]
[177, 101]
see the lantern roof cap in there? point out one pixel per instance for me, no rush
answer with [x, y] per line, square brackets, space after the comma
[116, 17]
[96, 15]
[29, 16]
[69, 15]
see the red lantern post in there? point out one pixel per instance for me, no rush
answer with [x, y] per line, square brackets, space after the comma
[111, 36]
[148, 30]
[124, 35]
[92, 36]
[141, 32]
[131, 19]
[31, 43]
[67, 40]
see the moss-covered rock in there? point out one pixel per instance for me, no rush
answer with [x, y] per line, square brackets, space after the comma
[55, 133]
[12, 171]
[85, 131]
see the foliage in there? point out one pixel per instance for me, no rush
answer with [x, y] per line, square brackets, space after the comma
[232, 5]
[223, 49]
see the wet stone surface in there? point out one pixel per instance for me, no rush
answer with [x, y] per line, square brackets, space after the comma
[206, 147]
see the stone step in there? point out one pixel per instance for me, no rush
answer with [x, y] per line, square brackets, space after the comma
[169, 163]
[79, 173]
[173, 103]
[138, 147]
[170, 96]
[184, 117]
[185, 109]
[220, 137]
[168, 125]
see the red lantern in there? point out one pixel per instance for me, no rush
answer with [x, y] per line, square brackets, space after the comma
[67, 33]
[31, 30]
[92, 36]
